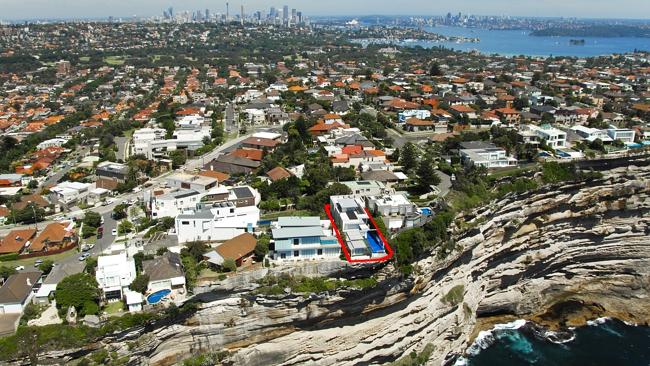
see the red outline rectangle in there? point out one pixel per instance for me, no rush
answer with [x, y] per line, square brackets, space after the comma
[389, 250]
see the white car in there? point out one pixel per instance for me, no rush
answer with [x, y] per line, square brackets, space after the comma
[114, 232]
[19, 268]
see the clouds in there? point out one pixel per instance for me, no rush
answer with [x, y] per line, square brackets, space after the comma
[29, 9]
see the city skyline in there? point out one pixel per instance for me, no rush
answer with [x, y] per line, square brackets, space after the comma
[69, 9]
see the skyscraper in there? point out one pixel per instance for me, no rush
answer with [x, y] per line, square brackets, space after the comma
[227, 12]
[273, 13]
[241, 16]
[285, 13]
[293, 16]
[207, 14]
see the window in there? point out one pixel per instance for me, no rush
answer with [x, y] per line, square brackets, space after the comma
[320, 251]
[283, 255]
[185, 222]
[232, 210]
[296, 253]
[296, 241]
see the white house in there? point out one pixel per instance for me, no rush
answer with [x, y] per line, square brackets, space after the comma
[623, 134]
[165, 273]
[554, 137]
[364, 188]
[479, 153]
[221, 218]
[18, 291]
[304, 238]
[413, 113]
[395, 208]
[355, 227]
[114, 274]
[591, 134]
[174, 203]
[55, 142]
[70, 192]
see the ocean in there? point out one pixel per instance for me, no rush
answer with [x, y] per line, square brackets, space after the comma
[518, 42]
[603, 342]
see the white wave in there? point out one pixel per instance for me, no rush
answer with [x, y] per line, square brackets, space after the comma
[598, 321]
[486, 338]
[557, 338]
[461, 361]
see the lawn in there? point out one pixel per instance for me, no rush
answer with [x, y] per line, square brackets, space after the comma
[114, 307]
[84, 58]
[30, 261]
[114, 60]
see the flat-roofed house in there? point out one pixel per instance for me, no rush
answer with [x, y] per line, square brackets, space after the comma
[304, 238]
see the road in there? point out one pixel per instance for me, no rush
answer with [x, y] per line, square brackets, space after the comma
[122, 144]
[400, 140]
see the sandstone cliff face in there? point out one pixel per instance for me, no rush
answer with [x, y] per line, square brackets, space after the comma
[563, 254]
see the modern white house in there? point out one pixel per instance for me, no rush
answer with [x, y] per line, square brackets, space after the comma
[553, 137]
[485, 154]
[413, 113]
[151, 142]
[304, 238]
[355, 227]
[591, 134]
[198, 183]
[220, 219]
[55, 142]
[623, 134]
[67, 193]
[395, 209]
[173, 203]
[364, 188]
[114, 275]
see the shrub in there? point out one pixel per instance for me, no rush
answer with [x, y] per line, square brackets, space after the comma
[8, 257]
[229, 265]
[454, 296]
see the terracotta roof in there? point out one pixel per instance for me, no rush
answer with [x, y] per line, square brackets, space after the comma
[352, 149]
[462, 109]
[260, 142]
[278, 173]
[4, 212]
[252, 154]
[237, 247]
[418, 122]
[15, 240]
[215, 174]
[53, 233]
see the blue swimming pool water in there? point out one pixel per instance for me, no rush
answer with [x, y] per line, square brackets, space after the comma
[425, 211]
[376, 245]
[157, 296]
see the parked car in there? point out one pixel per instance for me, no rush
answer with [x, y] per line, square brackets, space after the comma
[83, 257]
[38, 262]
[19, 268]
[114, 232]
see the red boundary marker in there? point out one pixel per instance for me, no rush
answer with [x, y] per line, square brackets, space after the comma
[389, 250]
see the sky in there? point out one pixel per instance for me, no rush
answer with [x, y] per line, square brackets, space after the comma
[62, 9]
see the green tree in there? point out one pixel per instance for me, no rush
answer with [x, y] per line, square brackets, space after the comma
[119, 211]
[140, 283]
[262, 247]
[409, 157]
[124, 227]
[6, 271]
[196, 249]
[46, 266]
[229, 265]
[75, 291]
[427, 175]
[92, 219]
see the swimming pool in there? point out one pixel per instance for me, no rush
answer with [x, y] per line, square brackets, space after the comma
[376, 244]
[426, 211]
[157, 296]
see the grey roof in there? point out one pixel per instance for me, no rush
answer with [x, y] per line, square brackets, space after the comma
[296, 221]
[297, 232]
[163, 268]
[379, 175]
[236, 160]
[472, 145]
[243, 192]
[62, 271]
[18, 287]
[203, 214]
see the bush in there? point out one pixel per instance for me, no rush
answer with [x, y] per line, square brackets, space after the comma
[140, 283]
[90, 308]
[454, 296]
[229, 265]
[77, 290]
[8, 257]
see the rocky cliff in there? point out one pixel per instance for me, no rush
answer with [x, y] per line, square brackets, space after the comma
[560, 255]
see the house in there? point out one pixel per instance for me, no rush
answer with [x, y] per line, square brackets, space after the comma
[591, 134]
[485, 154]
[355, 227]
[58, 273]
[509, 115]
[68, 193]
[165, 273]
[625, 135]
[303, 238]
[417, 125]
[463, 111]
[55, 236]
[263, 144]
[221, 219]
[110, 174]
[553, 137]
[413, 113]
[240, 249]
[199, 183]
[278, 173]
[17, 241]
[396, 209]
[232, 164]
[114, 274]
[173, 203]
[364, 188]
[18, 290]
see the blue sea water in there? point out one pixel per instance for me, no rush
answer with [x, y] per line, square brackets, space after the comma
[517, 42]
[607, 342]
